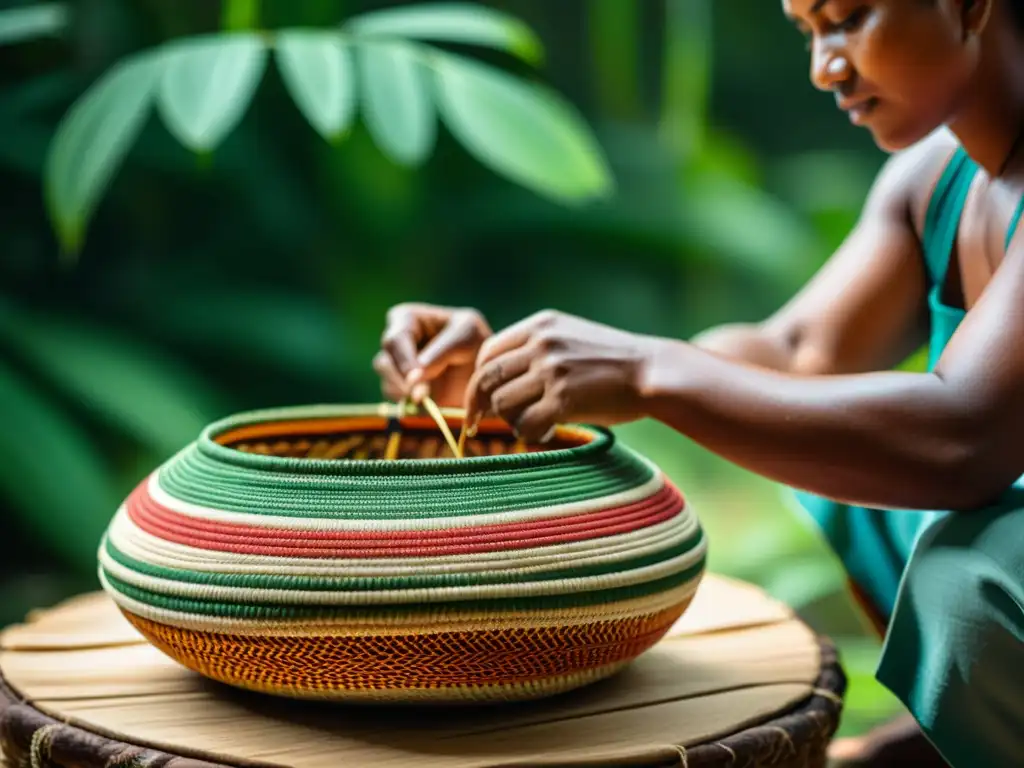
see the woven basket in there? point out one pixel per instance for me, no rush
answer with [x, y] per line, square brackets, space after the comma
[285, 552]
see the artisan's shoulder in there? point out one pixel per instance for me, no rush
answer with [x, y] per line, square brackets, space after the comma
[905, 184]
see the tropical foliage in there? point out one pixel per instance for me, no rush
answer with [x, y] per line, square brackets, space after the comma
[208, 207]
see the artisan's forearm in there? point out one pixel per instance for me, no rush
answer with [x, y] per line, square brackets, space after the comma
[887, 439]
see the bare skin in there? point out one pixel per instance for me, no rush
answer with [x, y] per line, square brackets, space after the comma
[807, 397]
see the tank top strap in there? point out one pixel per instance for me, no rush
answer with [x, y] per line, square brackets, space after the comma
[1017, 214]
[944, 211]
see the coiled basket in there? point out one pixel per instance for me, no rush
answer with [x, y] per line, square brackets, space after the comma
[345, 553]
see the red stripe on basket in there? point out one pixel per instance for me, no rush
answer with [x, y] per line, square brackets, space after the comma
[169, 525]
[668, 494]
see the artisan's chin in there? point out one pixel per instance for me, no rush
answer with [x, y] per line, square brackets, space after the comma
[893, 134]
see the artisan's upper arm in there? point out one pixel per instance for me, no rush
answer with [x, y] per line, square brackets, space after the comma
[983, 369]
[865, 310]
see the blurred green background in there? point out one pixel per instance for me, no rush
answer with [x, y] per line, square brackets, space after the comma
[260, 275]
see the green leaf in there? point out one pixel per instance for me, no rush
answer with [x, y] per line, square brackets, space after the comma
[240, 14]
[295, 336]
[800, 581]
[824, 180]
[208, 84]
[317, 69]
[51, 473]
[689, 36]
[39, 94]
[616, 36]
[453, 23]
[397, 106]
[23, 149]
[917, 362]
[744, 223]
[31, 22]
[92, 141]
[522, 131]
[133, 388]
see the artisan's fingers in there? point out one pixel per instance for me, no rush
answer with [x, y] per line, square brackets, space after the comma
[401, 340]
[513, 337]
[491, 376]
[537, 423]
[512, 399]
[456, 344]
[391, 383]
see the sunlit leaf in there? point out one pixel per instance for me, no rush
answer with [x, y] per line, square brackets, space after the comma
[454, 23]
[92, 141]
[31, 22]
[132, 388]
[52, 474]
[521, 131]
[397, 106]
[317, 69]
[207, 86]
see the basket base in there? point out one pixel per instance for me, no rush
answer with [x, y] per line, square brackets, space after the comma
[468, 667]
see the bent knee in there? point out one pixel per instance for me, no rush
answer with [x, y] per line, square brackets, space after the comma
[964, 592]
[955, 647]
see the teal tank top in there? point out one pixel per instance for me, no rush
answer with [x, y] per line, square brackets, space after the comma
[874, 545]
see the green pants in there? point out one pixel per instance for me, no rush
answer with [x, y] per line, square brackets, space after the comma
[954, 642]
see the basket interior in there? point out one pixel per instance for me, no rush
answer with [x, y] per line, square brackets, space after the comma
[367, 438]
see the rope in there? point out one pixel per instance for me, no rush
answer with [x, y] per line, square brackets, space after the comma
[830, 695]
[129, 757]
[786, 738]
[731, 753]
[41, 744]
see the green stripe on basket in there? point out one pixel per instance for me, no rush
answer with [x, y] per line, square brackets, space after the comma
[498, 605]
[346, 584]
[197, 479]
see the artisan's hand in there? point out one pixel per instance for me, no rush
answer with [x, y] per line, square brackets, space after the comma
[553, 368]
[431, 348]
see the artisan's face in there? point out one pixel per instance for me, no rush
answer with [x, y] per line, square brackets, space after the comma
[898, 67]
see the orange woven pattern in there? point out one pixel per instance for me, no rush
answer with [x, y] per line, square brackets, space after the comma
[362, 446]
[317, 666]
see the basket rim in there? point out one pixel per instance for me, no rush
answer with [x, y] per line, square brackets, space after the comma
[600, 440]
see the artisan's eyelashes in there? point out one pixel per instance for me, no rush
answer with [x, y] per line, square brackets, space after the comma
[850, 24]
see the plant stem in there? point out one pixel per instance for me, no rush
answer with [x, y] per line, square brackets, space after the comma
[614, 32]
[686, 76]
[238, 15]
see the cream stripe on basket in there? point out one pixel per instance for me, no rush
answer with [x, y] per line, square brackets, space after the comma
[135, 542]
[400, 596]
